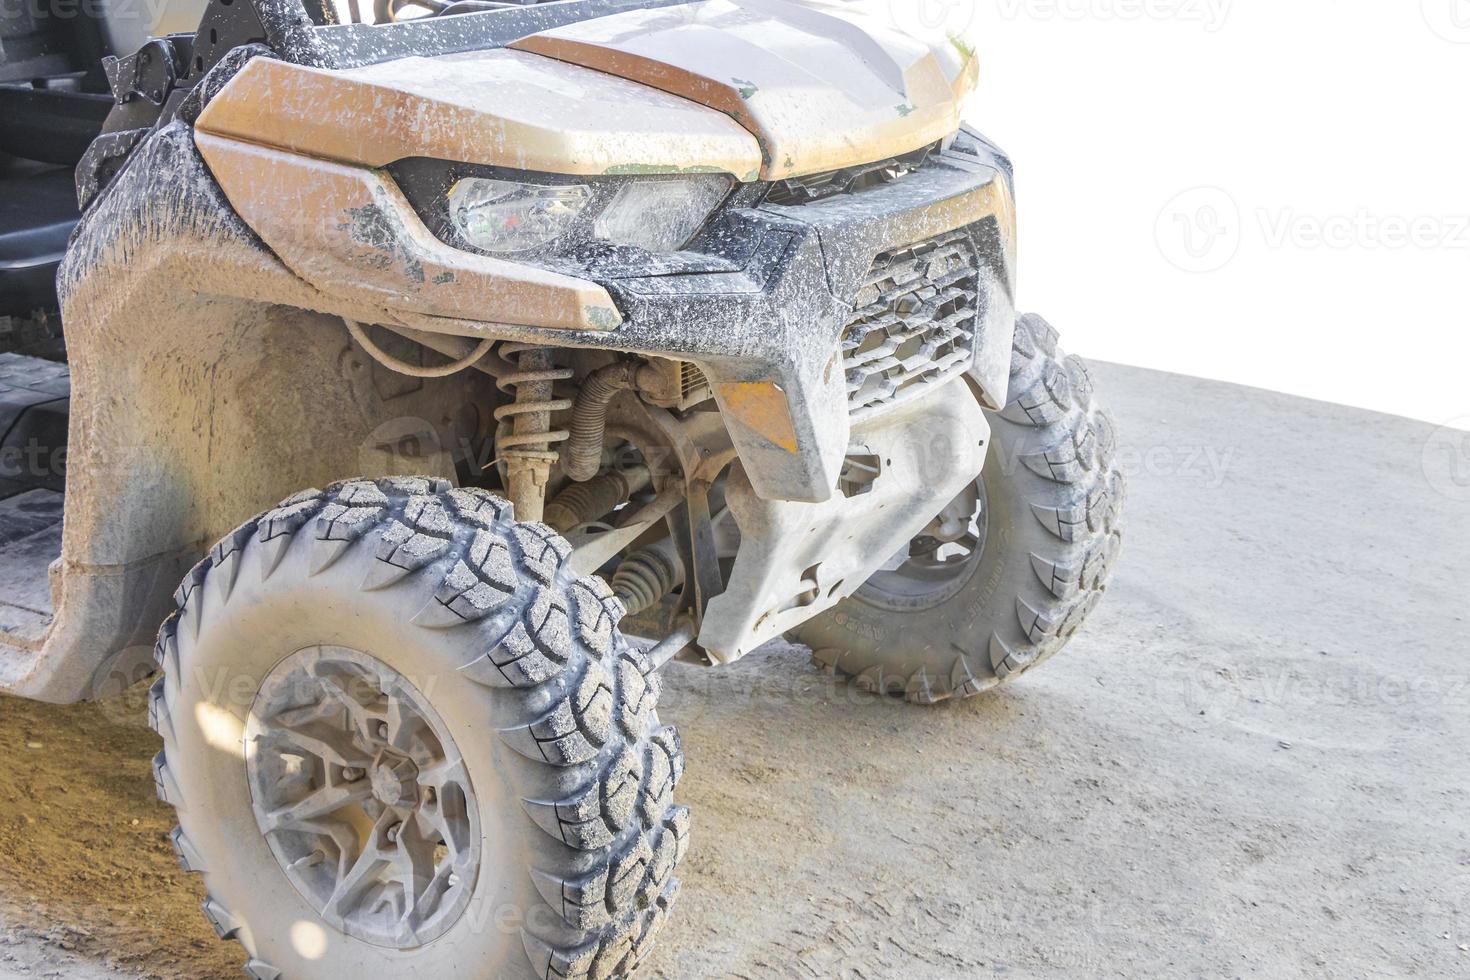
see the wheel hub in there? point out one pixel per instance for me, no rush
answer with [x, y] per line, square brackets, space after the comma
[936, 564]
[396, 782]
[363, 797]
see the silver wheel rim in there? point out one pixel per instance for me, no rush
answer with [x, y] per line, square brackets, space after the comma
[932, 571]
[363, 797]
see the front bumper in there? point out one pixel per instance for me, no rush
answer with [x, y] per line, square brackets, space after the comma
[767, 330]
[758, 302]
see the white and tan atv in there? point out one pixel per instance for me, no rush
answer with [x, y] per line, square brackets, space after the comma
[589, 319]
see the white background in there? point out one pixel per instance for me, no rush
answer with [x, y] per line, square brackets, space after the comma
[1329, 255]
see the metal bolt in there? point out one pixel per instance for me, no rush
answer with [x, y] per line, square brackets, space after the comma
[351, 774]
[393, 833]
[383, 730]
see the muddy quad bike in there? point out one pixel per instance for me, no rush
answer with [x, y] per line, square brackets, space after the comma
[586, 320]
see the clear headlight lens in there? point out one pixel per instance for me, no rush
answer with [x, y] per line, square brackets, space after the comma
[508, 216]
[660, 215]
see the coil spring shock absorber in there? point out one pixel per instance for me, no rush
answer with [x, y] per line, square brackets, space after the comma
[524, 438]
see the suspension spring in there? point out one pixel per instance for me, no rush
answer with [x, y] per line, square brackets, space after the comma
[647, 576]
[524, 438]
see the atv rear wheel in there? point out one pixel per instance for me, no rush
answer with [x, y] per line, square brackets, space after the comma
[403, 739]
[1029, 554]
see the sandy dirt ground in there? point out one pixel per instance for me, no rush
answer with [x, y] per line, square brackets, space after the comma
[1255, 761]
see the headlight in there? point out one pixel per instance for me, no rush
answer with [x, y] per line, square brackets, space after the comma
[660, 215]
[508, 216]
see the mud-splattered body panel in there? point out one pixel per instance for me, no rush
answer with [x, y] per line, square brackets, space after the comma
[499, 107]
[819, 85]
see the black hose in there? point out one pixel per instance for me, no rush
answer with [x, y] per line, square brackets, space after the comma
[583, 455]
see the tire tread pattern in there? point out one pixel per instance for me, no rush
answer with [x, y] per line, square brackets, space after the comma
[615, 841]
[1066, 468]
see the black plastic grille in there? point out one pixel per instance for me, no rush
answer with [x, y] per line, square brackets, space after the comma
[914, 324]
[849, 180]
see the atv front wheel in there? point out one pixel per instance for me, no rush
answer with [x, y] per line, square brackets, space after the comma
[403, 739]
[1005, 577]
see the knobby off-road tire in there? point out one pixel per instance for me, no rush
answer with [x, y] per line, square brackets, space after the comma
[1053, 497]
[551, 711]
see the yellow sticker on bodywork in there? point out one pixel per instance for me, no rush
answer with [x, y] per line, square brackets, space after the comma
[762, 407]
